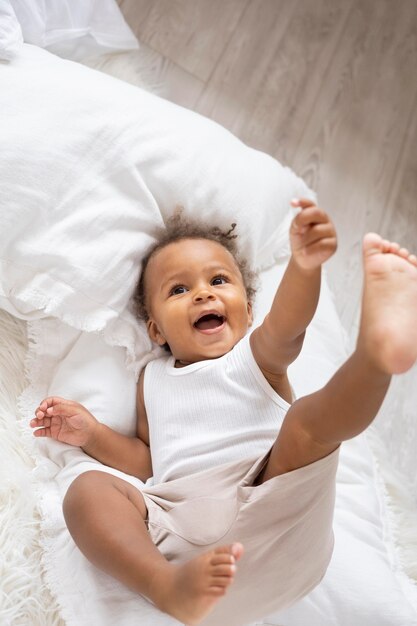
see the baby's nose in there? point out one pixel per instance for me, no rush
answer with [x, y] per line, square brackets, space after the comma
[204, 294]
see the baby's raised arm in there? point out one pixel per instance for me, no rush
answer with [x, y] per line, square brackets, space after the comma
[278, 341]
[70, 422]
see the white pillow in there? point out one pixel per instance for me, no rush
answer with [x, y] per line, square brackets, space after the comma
[11, 38]
[74, 29]
[91, 167]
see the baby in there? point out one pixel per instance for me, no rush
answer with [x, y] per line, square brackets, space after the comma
[243, 475]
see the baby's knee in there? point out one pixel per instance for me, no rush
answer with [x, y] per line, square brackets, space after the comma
[82, 492]
[94, 492]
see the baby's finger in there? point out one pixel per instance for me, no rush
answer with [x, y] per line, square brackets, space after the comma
[62, 408]
[42, 432]
[302, 203]
[51, 401]
[311, 215]
[44, 421]
[323, 247]
[317, 232]
[43, 405]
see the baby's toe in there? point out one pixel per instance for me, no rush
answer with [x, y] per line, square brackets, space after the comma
[223, 559]
[404, 253]
[224, 570]
[394, 247]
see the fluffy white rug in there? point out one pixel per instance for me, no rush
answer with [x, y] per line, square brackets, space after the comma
[24, 598]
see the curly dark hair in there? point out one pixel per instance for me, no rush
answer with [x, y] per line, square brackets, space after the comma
[180, 227]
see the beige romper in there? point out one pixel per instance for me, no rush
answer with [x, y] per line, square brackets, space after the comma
[284, 524]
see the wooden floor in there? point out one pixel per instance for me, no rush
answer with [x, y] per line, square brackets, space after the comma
[329, 87]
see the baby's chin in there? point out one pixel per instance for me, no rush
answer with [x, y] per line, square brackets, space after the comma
[209, 347]
[185, 359]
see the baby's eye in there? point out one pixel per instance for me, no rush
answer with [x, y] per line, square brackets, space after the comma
[178, 289]
[219, 280]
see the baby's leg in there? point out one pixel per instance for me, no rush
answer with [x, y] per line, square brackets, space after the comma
[315, 425]
[105, 516]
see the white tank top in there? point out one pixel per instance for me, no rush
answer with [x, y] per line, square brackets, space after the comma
[210, 412]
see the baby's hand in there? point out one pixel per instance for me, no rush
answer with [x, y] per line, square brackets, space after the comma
[312, 235]
[65, 421]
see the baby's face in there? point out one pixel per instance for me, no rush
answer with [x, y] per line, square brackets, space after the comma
[196, 300]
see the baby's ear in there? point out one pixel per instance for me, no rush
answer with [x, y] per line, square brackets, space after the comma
[154, 332]
[250, 314]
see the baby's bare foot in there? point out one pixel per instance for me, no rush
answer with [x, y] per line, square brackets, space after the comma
[388, 329]
[192, 589]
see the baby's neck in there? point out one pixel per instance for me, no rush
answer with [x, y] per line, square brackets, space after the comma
[181, 363]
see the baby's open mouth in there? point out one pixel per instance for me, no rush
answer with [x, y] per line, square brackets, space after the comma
[210, 321]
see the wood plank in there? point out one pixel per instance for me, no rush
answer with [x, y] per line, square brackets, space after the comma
[272, 70]
[240, 78]
[351, 146]
[192, 33]
[399, 220]
[135, 12]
